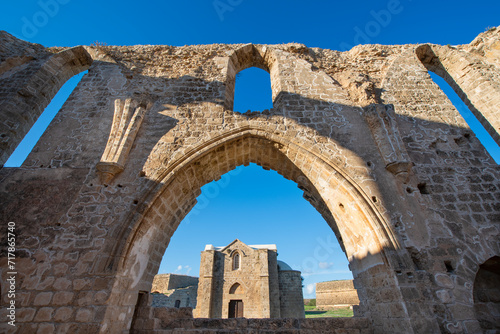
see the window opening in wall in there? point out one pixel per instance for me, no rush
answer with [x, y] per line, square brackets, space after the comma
[484, 137]
[177, 303]
[252, 91]
[236, 261]
[29, 141]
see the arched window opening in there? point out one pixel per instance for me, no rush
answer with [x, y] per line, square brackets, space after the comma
[236, 261]
[484, 137]
[487, 295]
[252, 90]
[236, 289]
[177, 303]
[29, 141]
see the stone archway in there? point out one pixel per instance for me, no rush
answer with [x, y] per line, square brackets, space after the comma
[252, 56]
[366, 237]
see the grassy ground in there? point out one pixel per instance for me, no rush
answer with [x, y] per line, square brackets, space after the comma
[312, 312]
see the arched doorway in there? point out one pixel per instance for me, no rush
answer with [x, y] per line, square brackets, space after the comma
[362, 231]
[487, 295]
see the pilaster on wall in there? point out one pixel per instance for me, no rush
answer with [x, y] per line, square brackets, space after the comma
[264, 279]
[205, 285]
[274, 288]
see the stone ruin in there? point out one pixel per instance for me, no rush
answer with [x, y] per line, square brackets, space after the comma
[378, 149]
[334, 294]
[172, 290]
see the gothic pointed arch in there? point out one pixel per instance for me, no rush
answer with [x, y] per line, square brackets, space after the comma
[236, 288]
[365, 235]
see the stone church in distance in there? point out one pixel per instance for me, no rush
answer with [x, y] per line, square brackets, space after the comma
[241, 280]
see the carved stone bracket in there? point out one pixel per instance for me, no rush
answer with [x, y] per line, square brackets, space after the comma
[381, 120]
[126, 123]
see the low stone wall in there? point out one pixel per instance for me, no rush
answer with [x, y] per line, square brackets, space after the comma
[164, 323]
[336, 294]
[180, 320]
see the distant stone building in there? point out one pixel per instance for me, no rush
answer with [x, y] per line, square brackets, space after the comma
[248, 281]
[336, 294]
[170, 290]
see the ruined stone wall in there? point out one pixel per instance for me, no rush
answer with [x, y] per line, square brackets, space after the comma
[186, 297]
[160, 283]
[378, 149]
[182, 281]
[148, 317]
[164, 282]
[336, 293]
[291, 297]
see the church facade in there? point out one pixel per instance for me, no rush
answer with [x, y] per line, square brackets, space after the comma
[248, 281]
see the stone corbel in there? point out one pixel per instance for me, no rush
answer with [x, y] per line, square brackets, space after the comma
[126, 123]
[381, 120]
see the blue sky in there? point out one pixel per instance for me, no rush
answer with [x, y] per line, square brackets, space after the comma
[250, 200]
[324, 24]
